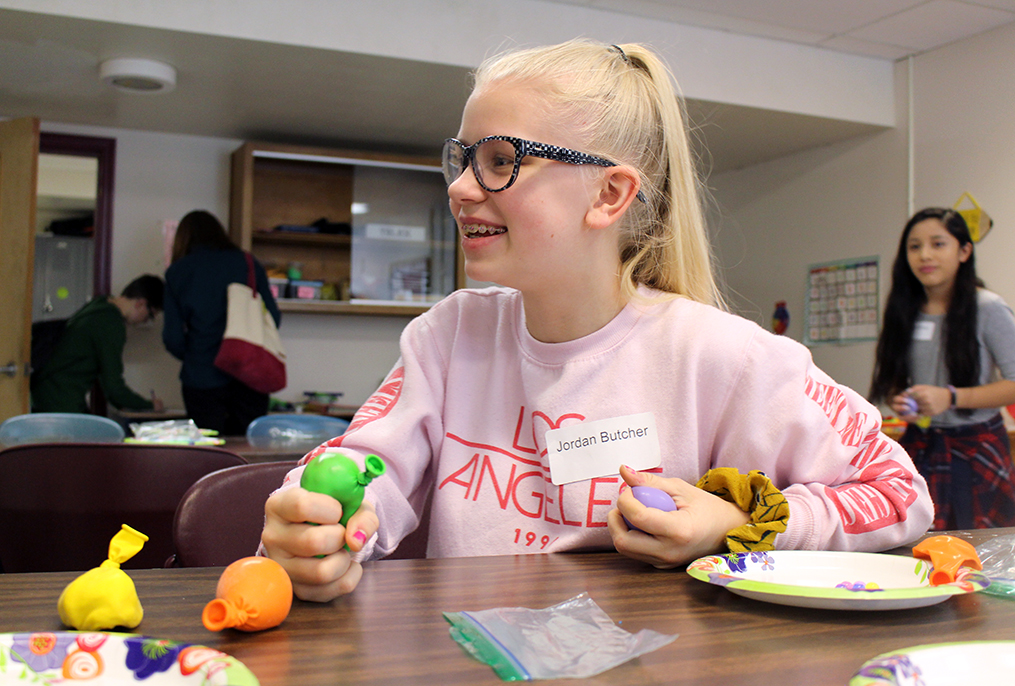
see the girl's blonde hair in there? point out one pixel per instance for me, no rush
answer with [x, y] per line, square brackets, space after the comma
[622, 103]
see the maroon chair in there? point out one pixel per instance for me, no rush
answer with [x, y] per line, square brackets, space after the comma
[61, 503]
[220, 517]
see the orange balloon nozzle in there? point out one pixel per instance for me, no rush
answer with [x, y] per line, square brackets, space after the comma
[221, 614]
[947, 554]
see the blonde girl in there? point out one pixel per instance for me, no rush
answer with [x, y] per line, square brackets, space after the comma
[513, 408]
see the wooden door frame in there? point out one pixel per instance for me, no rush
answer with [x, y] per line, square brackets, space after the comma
[104, 150]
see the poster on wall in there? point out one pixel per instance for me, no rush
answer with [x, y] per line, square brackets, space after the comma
[841, 305]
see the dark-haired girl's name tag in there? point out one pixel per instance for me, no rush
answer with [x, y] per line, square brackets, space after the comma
[923, 331]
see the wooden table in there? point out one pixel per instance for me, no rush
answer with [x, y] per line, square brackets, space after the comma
[126, 417]
[391, 630]
[271, 453]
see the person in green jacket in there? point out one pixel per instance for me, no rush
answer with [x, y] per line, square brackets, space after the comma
[91, 349]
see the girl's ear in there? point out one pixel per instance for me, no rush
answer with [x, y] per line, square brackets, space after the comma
[616, 191]
[965, 251]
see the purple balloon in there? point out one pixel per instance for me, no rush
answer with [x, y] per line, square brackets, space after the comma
[651, 497]
[911, 406]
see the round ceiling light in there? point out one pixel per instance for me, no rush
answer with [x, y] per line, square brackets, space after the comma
[138, 75]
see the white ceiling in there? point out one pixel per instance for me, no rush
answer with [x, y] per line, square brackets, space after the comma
[891, 29]
[253, 90]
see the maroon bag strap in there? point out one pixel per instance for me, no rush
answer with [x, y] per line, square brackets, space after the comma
[251, 281]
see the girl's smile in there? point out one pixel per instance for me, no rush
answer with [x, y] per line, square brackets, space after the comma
[471, 229]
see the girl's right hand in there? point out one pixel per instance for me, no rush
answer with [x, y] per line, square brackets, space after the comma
[902, 406]
[291, 540]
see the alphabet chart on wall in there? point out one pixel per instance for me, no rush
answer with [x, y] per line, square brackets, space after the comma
[842, 302]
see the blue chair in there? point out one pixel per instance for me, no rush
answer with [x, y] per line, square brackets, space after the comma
[59, 427]
[290, 430]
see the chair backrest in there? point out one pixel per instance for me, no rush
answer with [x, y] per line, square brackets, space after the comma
[61, 503]
[59, 427]
[294, 429]
[220, 518]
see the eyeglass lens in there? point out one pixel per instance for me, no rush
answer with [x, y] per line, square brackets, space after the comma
[493, 162]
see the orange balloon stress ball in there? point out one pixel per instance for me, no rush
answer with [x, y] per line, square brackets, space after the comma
[947, 554]
[253, 594]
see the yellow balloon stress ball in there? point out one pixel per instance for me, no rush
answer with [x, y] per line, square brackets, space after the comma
[105, 597]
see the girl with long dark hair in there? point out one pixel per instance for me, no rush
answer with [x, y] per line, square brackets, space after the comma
[205, 262]
[947, 354]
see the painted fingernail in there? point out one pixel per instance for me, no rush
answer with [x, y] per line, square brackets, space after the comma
[360, 536]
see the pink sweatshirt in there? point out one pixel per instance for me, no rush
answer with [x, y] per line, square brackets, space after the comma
[464, 412]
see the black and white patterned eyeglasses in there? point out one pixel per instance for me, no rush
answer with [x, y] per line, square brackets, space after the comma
[495, 159]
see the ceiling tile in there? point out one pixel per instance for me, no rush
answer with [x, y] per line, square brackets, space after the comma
[1008, 5]
[823, 17]
[681, 12]
[933, 24]
[855, 46]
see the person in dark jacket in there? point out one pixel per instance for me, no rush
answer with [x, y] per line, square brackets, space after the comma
[90, 350]
[204, 262]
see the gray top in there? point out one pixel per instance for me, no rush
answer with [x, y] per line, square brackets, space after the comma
[995, 331]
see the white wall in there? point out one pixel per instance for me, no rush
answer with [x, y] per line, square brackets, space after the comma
[774, 220]
[851, 200]
[161, 177]
[965, 140]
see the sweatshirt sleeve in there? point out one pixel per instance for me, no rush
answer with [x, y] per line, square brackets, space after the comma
[849, 486]
[401, 423]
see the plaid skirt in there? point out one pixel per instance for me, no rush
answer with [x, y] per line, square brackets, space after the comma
[969, 472]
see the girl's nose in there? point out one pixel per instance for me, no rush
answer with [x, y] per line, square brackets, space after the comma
[466, 188]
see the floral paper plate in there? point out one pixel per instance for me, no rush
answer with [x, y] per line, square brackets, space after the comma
[59, 657]
[832, 580]
[941, 664]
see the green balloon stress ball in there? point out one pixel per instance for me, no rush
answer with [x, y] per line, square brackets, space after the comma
[340, 477]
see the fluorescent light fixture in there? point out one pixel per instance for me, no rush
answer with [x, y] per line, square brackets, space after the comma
[360, 208]
[138, 75]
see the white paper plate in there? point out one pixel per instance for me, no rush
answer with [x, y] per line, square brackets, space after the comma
[832, 580]
[941, 664]
[58, 657]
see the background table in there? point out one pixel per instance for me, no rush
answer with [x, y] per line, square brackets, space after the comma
[269, 453]
[391, 630]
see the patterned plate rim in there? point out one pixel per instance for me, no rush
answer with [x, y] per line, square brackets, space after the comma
[703, 569]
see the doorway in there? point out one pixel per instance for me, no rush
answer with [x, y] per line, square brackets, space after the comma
[103, 151]
[73, 229]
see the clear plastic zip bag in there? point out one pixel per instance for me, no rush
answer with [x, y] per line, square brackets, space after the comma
[998, 558]
[573, 639]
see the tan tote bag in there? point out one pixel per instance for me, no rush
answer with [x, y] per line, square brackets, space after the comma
[251, 349]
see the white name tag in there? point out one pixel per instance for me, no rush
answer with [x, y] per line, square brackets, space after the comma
[923, 331]
[593, 449]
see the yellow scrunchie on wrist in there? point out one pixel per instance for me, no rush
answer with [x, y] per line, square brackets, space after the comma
[753, 493]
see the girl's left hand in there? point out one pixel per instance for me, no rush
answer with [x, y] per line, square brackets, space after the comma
[931, 400]
[698, 526]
